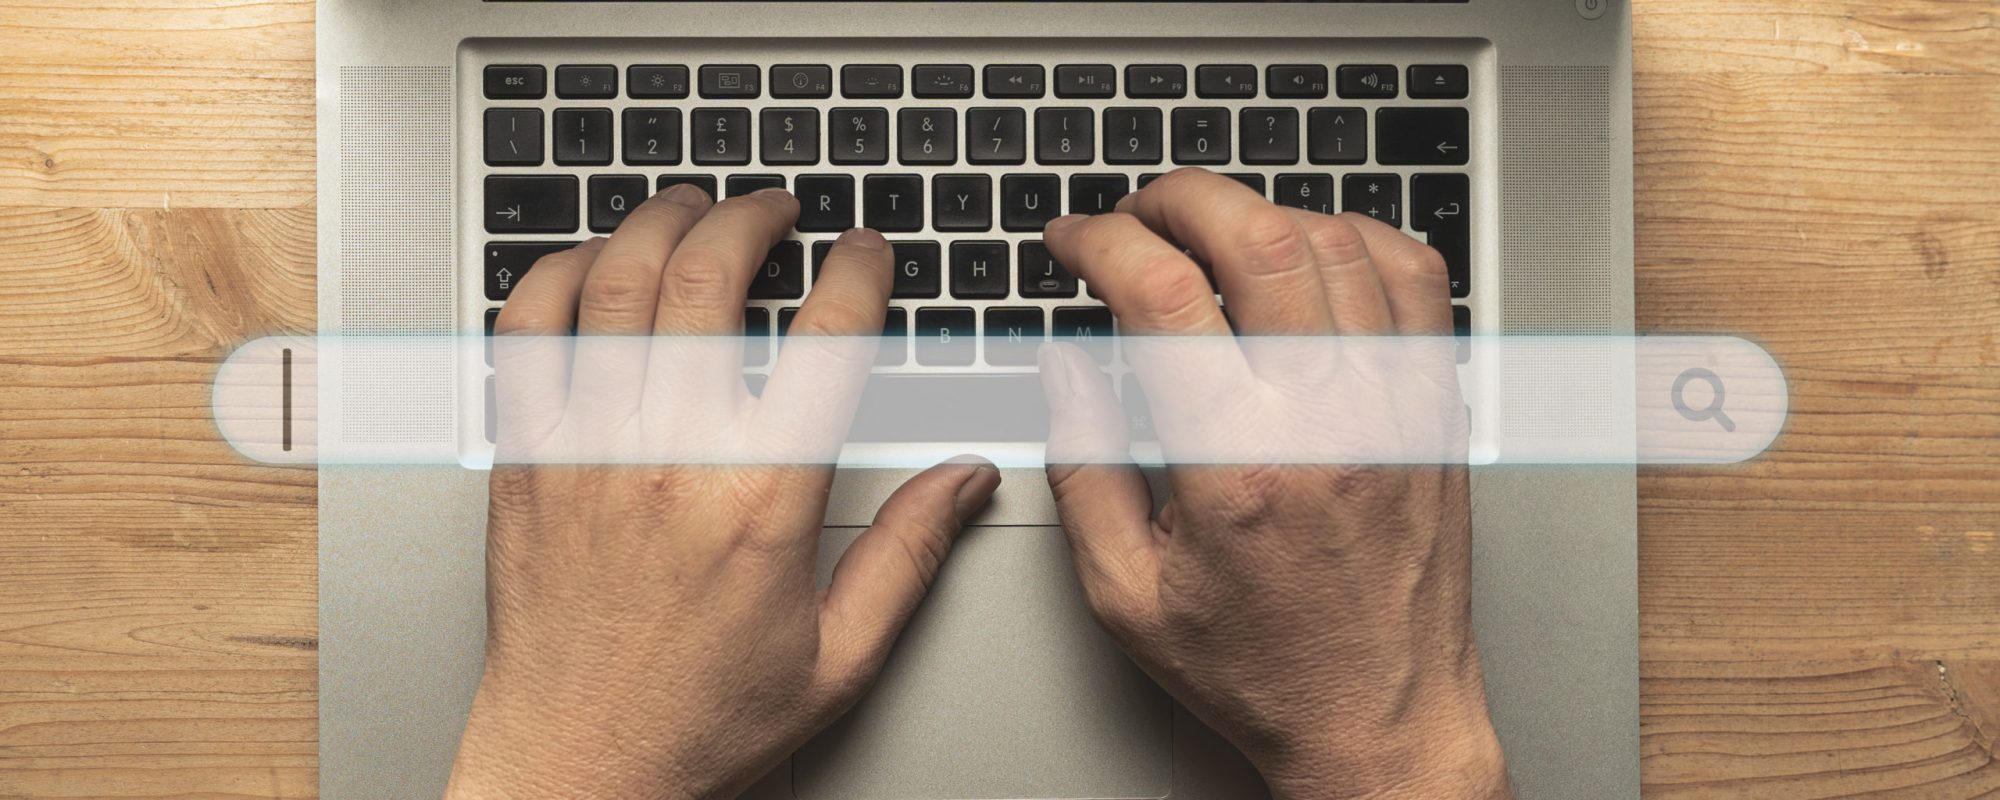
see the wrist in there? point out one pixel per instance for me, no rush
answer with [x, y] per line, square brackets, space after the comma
[1447, 758]
[513, 751]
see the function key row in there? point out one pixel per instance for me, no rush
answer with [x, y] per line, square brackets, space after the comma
[1002, 81]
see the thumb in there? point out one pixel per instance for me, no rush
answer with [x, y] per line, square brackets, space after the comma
[1105, 505]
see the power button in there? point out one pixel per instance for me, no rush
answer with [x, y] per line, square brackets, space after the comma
[1592, 9]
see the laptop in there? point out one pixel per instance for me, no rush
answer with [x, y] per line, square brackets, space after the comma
[461, 139]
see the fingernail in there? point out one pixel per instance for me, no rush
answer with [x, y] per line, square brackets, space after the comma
[1062, 222]
[864, 237]
[687, 194]
[976, 487]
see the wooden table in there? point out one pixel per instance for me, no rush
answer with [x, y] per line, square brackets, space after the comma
[1822, 177]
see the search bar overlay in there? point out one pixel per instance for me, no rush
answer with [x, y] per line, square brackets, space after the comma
[894, 402]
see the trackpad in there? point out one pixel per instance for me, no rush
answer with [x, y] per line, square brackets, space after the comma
[1002, 687]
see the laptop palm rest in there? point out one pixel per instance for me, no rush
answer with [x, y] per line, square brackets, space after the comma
[1002, 687]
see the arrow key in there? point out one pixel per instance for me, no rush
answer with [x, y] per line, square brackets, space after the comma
[1438, 201]
[531, 203]
[1422, 136]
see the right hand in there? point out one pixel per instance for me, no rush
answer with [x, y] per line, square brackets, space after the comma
[1317, 616]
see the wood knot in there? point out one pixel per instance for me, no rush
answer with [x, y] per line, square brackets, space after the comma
[1931, 252]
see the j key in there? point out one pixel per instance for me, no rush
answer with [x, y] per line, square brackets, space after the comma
[514, 137]
[730, 80]
[652, 136]
[739, 185]
[1367, 81]
[1096, 194]
[516, 82]
[507, 262]
[941, 80]
[1086, 327]
[858, 136]
[893, 203]
[1028, 202]
[1337, 136]
[594, 82]
[1013, 335]
[810, 81]
[1201, 136]
[895, 347]
[918, 274]
[1447, 82]
[1225, 80]
[720, 136]
[790, 135]
[1441, 205]
[1270, 136]
[756, 336]
[1254, 181]
[1042, 276]
[583, 137]
[1295, 81]
[1132, 136]
[996, 136]
[782, 276]
[826, 203]
[979, 270]
[1378, 196]
[962, 202]
[704, 182]
[612, 197]
[945, 338]
[1421, 136]
[531, 203]
[858, 81]
[1309, 192]
[657, 81]
[1086, 80]
[1154, 81]
[927, 136]
[1065, 136]
[1014, 81]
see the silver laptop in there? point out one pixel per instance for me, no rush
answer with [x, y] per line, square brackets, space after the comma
[460, 139]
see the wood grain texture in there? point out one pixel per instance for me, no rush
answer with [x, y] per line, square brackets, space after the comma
[1822, 178]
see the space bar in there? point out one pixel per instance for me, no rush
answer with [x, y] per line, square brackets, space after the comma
[948, 408]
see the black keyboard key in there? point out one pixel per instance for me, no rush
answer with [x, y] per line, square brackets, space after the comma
[492, 317]
[531, 203]
[826, 203]
[1132, 136]
[996, 136]
[893, 203]
[1155, 81]
[790, 135]
[871, 81]
[1065, 136]
[593, 82]
[1454, 243]
[1337, 136]
[730, 80]
[1422, 136]
[1042, 277]
[1096, 194]
[895, 347]
[962, 203]
[786, 316]
[652, 136]
[1309, 192]
[979, 270]
[1378, 196]
[1149, 177]
[516, 82]
[1015, 81]
[720, 136]
[1252, 180]
[810, 81]
[1461, 327]
[1201, 136]
[1295, 81]
[782, 276]
[705, 182]
[657, 81]
[820, 251]
[612, 197]
[1086, 80]
[1441, 205]
[945, 338]
[919, 276]
[1028, 202]
[1270, 136]
[858, 136]
[1225, 80]
[941, 80]
[739, 185]
[1088, 327]
[1439, 82]
[756, 336]
[583, 137]
[513, 137]
[508, 262]
[1367, 81]
[927, 136]
[1013, 335]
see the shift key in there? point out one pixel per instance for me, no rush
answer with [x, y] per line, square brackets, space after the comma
[532, 203]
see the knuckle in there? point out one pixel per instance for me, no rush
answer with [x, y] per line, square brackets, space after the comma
[1172, 294]
[617, 290]
[1421, 260]
[520, 320]
[703, 275]
[1273, 242]
[1335, 237]
[1255, 496]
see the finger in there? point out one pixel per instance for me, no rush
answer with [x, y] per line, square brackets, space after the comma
[618, 300]
[708, 277]
[1262, 259]
[531, 357]
[1413, 275]
[1353, 291]
[887, 570]
[824, 362]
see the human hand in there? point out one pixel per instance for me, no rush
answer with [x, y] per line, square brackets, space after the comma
[656, 631]
[1318, 616]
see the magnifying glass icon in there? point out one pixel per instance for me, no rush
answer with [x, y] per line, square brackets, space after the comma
[1712, 411]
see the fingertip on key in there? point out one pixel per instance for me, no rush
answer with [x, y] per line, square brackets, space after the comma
[1059, 223]
[686, 194]
[864, 237]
